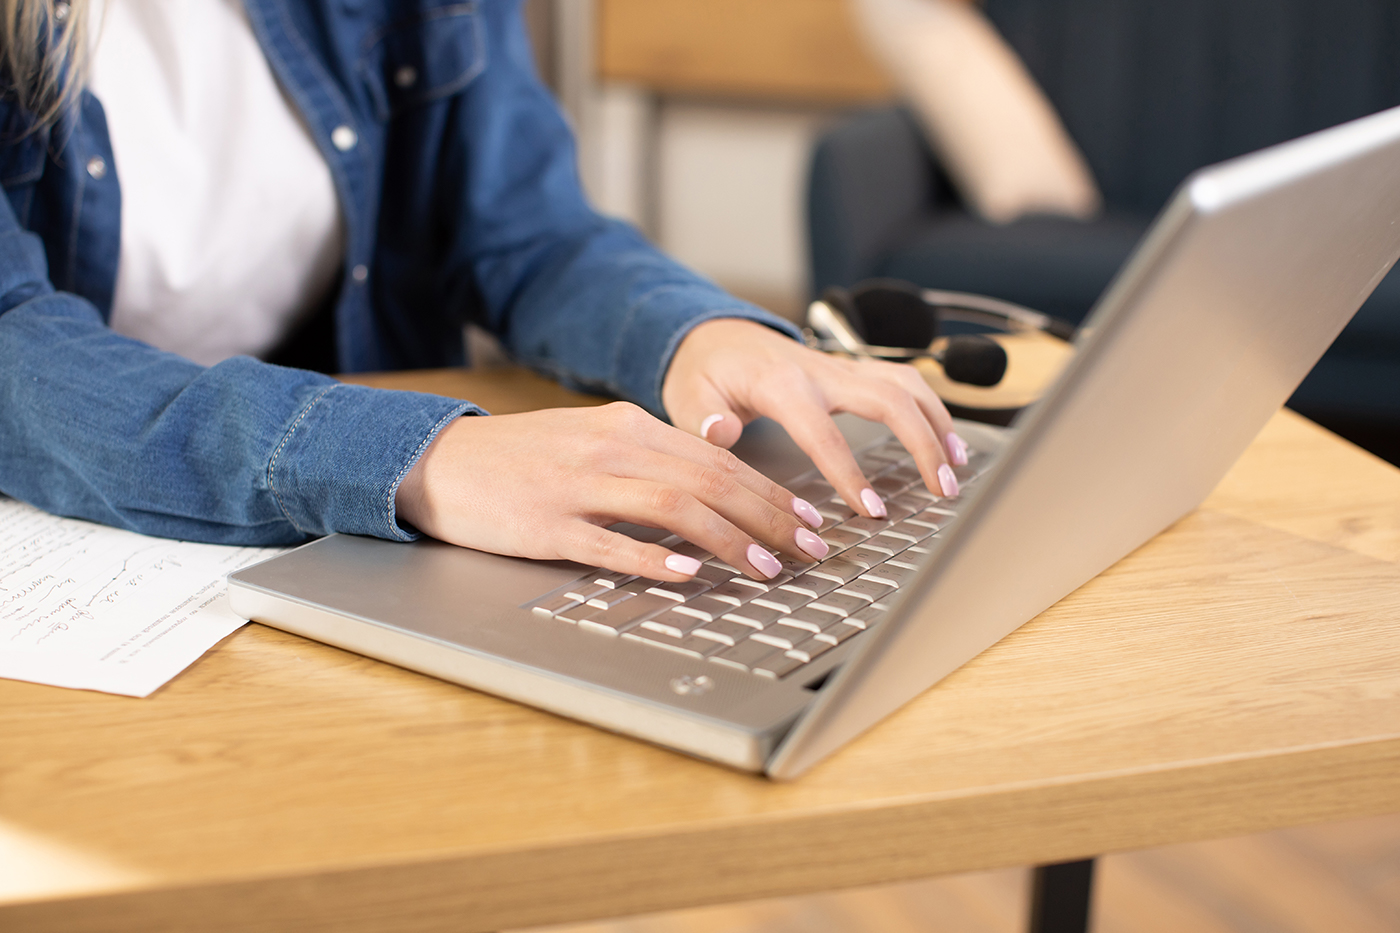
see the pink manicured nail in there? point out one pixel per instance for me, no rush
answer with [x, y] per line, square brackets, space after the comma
[811, 543]
[708, 423]
[807, 512]
[679, 563]
[947, 480]
[763, 562]
[873, 503]
[957, 449]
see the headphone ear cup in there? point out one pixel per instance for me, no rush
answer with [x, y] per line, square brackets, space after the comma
[895, 314]
[840, 299]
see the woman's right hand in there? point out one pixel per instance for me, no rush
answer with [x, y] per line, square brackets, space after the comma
[546, 484]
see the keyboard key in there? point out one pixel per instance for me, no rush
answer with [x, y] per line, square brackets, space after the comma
[895, 512]
[624, 614]
[714, 575]
[553, 605]
[907, 472]
[779, 638]
[756, 616]
[839, 570]
[910, 531]
[673, 624]
[745, 654]
[815, 491]
[865, 617]
[841, 604]
[839, 540]
[890, 544]
[794, 568]
[782, 600]
[866, 526]
[690, 645]
[890, 573]
[888, 485]
[776, 665]
[810, 649]
[803, 625]
[935, 518]
[612, 579]
[890, 451]
[609, 598]
[866, 557]
[724, 631]
[813, 620]
[810, 585]
[690, 550]
[919, 492]
[584, 590]
[908, 501]
[705, 607]
[836, 513]
[977, 464]
[839, 633]
[734, 592]
[869, 590]
[680, 592]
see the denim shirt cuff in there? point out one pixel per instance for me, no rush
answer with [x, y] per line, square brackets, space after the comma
[339, 464]
[651, 340]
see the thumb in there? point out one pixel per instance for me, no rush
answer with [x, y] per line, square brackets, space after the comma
[707, 413]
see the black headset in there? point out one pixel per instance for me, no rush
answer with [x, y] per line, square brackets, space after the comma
[895, 320]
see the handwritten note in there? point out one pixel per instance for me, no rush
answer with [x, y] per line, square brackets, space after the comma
[97, 608]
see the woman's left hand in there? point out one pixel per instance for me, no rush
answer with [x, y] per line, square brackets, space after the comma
[729, 371]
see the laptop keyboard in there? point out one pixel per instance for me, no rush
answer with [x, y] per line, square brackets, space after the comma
[775, 627]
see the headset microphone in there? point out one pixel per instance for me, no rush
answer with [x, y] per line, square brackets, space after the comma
[973, 359]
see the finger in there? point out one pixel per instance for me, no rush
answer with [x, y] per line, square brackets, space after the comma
[768, 516]
[706, 413]
[665, 506]
[954, 447]
[678, 444]
[586, 543]
[879, 400]
[810, 426]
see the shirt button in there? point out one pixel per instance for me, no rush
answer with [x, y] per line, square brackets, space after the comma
[97, 167]
[344, 138]
[360, 272]
[405, 76]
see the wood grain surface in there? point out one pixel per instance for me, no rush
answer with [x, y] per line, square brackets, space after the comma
[1240, 672]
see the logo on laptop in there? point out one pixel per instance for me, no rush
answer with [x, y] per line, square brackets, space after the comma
[688, 686]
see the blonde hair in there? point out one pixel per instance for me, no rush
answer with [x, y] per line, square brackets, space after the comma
[43, 54]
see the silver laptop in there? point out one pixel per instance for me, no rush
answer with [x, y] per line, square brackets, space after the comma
[1245, 279]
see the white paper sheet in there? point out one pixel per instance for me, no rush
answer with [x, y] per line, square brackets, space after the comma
[97, 608]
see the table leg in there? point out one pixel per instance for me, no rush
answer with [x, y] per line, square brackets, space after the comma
[1060, 896]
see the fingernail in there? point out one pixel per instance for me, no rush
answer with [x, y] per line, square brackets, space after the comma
[947, 480]
[873, 503]
[957, 449]
[807, 512]
[811, 543]
[763, 562]
[708, 423]
[679, 563]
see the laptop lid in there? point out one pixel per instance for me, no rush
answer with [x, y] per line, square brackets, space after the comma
[1248, 275]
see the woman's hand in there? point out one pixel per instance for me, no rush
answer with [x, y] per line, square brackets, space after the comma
[547, 484]
[729, 371]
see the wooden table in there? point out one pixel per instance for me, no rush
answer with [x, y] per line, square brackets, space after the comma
[1241, 672]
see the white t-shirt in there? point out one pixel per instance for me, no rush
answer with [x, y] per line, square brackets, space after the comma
[230, 229]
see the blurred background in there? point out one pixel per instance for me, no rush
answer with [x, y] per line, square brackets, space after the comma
[1018, 149]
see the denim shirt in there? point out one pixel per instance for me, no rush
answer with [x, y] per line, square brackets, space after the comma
[457, 179]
